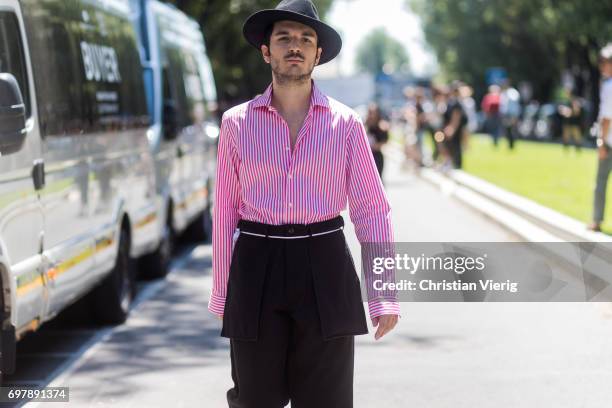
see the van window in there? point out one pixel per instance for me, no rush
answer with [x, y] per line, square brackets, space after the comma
[90, 76]
[181, 52]
[210, 91]
[175, 84]
[11, 54]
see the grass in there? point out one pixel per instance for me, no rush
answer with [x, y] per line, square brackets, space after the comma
[545, 173]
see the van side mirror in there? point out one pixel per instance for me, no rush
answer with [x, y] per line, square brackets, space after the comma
[170, 119]
[12, 115]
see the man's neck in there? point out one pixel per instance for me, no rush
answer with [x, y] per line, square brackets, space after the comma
[291, 98]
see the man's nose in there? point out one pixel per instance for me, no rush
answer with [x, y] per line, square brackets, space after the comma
[294, 45]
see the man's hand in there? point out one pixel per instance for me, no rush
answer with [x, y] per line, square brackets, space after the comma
[385, 324]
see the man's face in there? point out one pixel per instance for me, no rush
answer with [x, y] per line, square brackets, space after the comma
[605, 67]
[293, 51]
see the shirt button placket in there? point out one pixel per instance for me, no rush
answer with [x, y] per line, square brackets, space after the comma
[289, 190]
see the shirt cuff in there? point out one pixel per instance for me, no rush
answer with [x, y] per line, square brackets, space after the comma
[382, 306]
[216, 304]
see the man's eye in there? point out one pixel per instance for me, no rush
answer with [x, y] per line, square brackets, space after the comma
[306, 39]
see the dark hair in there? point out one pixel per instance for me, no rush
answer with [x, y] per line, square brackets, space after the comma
[268, 35]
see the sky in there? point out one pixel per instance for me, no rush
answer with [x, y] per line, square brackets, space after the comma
[354, 19]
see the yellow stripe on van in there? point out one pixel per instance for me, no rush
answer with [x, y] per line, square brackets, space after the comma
[25, 288]
[147, 219]
[28, 282]
[196, 194]
[104, 243]
[25, 285]
[64, 266]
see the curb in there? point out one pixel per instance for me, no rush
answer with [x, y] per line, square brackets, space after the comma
[559, 224]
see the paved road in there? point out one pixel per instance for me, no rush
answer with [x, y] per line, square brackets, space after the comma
[441, 354]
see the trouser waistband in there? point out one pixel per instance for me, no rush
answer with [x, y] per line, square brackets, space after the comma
[291, 231]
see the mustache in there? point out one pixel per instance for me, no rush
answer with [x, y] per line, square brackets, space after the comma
[294, 56]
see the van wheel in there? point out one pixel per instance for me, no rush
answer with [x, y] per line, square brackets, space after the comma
[157, 264]
[200, 230]
[113, 296]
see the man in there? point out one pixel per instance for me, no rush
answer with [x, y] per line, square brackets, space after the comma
[571, 113]
[490, 106]
[604, 139]
[377, 129]
[416, 123]
[284, 283]
[454, 127]
[510, 109]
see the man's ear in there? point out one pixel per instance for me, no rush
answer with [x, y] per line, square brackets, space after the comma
[265, 52]
[319, 52]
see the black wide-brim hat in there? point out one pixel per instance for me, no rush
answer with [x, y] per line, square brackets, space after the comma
[302, 11]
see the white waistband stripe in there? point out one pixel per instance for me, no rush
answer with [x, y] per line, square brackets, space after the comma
[291, 237]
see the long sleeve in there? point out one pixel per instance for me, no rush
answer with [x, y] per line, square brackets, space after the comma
[370, 213]
[225, 212]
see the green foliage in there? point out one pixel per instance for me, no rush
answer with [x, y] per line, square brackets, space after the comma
[239, 69]
[379, 49]
[533, 39]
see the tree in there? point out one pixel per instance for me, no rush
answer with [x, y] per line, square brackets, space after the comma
[238, 68]
[535, 40]
[379, 52]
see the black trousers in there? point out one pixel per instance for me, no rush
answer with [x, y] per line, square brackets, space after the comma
[292, 310]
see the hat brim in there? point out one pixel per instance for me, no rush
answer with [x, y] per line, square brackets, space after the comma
[328, 38]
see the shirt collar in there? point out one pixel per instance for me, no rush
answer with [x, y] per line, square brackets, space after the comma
[316, 97]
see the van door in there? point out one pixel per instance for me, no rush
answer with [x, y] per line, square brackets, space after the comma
[53, 31]
[21, 216]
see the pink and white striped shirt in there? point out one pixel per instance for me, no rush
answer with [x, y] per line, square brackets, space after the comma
[259, 178]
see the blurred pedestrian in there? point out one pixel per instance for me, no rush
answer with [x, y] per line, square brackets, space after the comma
[571, 121]
[435, 119]
[604, 139]
[469, 106]
[421, 107]
[490, 106]
[284, 283]
[415, 126]
[455, 127]
[407, 123]
[510, 110]
[377, 130]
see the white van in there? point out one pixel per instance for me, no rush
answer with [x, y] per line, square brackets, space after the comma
[77, 183]
[181, 99]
